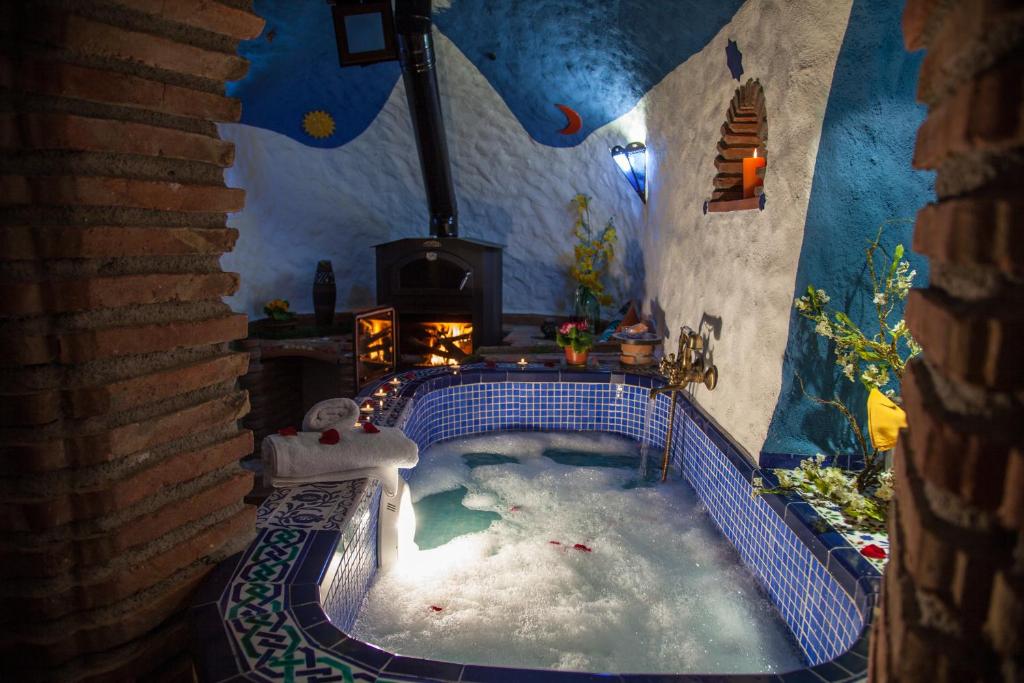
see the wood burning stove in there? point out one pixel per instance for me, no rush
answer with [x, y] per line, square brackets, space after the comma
[447, 293]
[446, 289]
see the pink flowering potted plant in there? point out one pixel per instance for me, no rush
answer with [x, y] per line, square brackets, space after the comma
[576, 339]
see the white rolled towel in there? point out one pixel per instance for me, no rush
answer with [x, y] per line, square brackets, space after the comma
[301, 459]
[336, 413]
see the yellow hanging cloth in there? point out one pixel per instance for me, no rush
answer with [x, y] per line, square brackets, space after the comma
[885, 419]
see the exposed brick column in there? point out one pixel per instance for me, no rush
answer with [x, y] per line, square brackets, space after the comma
[119, 406]
[953, 595]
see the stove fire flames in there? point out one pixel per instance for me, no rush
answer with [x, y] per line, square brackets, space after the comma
[437, 343]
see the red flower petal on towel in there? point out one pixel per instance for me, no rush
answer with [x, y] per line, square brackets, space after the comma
[514, 508]
[370, 428]
[580, 546]
[873, 551]
[555, 542]
[288, 431]
[435, 608]
[330, 437]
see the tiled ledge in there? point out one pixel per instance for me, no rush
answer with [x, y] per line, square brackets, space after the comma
[260, 615]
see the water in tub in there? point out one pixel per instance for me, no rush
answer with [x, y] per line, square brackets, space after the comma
[543, 550]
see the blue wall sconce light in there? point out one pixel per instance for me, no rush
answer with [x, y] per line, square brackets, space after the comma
[632, 161]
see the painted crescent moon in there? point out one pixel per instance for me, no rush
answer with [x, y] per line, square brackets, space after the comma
[573, 120]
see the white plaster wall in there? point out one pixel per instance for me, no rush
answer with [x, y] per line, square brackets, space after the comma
[736, 271]
[304, 204]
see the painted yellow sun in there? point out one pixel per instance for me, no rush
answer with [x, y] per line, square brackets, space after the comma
[318, 124]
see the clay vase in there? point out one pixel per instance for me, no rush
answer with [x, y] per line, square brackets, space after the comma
[576, 358]
[325, 294]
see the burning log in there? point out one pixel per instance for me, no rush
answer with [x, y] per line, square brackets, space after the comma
[369, 339]
[444, 347]
[384, 346]
[461, 338]
[447, 348]
[375, 361]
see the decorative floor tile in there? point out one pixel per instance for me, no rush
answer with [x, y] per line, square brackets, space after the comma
[320, 507]
[273, 557]
[858, 538]
[275, 647]
[249, 599]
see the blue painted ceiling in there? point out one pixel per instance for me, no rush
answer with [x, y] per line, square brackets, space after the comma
[599, 58]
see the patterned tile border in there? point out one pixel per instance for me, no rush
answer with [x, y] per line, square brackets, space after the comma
[264, 615]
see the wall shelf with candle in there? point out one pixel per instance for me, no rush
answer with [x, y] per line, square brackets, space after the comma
[742, 159]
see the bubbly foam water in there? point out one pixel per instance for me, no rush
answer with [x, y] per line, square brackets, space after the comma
[578, 573]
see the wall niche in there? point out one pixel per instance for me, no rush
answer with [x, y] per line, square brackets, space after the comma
[742, 155]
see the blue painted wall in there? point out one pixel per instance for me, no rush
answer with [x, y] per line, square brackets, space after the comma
[599, 58]
[862, 177]
[294, 69]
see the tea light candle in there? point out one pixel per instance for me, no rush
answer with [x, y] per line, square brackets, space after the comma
[367, 407]
[380, 393]
[750, 177]
[455, 368]
[395, 382]
[522, 363]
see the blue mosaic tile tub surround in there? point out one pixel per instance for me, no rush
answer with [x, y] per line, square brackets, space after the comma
[279, 611]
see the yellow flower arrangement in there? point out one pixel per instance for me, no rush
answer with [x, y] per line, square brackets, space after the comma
[278, 310]
[592, 254]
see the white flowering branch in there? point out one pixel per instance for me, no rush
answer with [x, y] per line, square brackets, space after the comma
[886, 353]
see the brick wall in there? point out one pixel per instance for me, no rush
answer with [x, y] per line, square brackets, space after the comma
[953, 596]
[119, 482]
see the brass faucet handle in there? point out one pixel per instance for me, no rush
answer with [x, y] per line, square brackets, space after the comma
[695, 341]
[711, 378]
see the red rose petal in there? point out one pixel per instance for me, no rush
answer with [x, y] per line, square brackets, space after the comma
[555, 542]
[370, 428]
[288, 431]
[873, 551]
[435, 608]
[330, 437]
[580, 546]
[514, 508]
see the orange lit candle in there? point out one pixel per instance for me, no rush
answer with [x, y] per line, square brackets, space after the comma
[750, 177]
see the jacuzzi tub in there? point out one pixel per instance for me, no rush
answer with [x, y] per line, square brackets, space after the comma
[281, 609]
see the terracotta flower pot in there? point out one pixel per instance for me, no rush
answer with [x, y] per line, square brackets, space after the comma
[576, 358]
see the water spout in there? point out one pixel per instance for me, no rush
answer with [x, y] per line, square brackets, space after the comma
[645, 443]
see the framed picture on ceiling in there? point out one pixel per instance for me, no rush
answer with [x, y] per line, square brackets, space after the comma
[364, 31]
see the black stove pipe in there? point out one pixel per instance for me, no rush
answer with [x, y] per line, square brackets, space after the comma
[416, 55]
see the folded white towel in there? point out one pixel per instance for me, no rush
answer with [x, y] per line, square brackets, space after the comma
[303, 459]
[387, 476]
[337, 413]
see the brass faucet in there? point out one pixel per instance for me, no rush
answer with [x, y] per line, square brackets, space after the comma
[681, 369]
